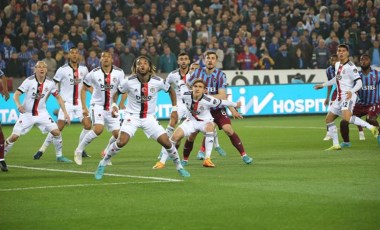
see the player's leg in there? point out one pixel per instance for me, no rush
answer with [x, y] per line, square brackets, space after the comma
[347, 115]
[188, 146]
[3, 164]
[86, 123]
[373, 113]
[23, 125]
[344, 132]
[48, 140]
[169, 130]
[209, 142]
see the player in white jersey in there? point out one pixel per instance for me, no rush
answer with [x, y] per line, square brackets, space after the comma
[348, 82]
[69, 77]
[33, 110]
[104, 81]
[4, 92]
[199, 119]
[142, 88]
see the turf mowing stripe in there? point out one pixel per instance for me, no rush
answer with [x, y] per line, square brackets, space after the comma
[79, 185]
[106, 174]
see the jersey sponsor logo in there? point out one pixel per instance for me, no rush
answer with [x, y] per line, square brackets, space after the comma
[142, 99]
[369, 87]
[104, 87]
[38, 96]
[211, 89]
[75, 81]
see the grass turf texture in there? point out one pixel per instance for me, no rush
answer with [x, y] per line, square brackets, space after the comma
[293, 183]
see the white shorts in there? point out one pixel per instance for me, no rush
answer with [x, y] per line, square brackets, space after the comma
[102, 117]
[26, 121]
[190, 126]
[149, 125]
[337, 106]
[74, 111]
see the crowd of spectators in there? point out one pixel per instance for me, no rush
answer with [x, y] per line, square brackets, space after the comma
[247, 34]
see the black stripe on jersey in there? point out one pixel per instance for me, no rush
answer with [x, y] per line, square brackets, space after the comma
[86, 84]
[20, 91]
[357, 79]
[156, 78]
[187, 93]
[206, 98]
[132, 77]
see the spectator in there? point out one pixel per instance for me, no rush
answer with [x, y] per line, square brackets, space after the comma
[374, 54]
[246, 60]
[92, 61]
[321, 56]
[281, 58]
[168, 61]
[154, 57]
[51, 64]
[266, 62]
[363, 44]
[30, 65]
[6, 49]
[299, 60]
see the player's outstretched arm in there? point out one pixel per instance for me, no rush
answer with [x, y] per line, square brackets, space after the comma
[16, 98]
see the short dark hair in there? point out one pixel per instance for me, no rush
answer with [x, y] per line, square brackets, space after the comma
[366, 55]
[182, 54]
[208, 52]
[344, 46]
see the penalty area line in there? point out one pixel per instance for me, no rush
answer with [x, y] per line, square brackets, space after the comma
[78, 185]
[92, 173]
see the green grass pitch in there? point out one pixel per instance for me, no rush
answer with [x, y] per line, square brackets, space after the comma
[293, 183]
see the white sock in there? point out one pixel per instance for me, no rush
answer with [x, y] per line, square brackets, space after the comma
[47, 142]
[111, 141]
[164, 156]
[172, 152]
[357, 121]
[8, 146]
[91, 135]
[333, 133]
[83, 134]
[209, 142]
[216, 139]
[57, 141]
[111, 151]
[170, 130]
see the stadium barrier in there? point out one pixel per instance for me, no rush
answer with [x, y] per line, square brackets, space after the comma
[257, 100]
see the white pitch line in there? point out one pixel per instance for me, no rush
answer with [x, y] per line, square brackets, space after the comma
[286, 127]
[106, 174]
[78, 185]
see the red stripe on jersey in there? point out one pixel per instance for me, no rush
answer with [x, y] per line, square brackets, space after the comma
[194, 109]
[183, 78]
[337, 82]
[107, 91]
[76, 86]
[144, 99]
[37, 99]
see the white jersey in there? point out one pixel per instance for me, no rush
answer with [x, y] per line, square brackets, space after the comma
[36, 94]
[142, 97]
[104, 85]
[71, 82]
[346, 74]
[173, 79]
[200, 110]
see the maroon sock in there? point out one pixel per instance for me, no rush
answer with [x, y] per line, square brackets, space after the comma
[1, 144]
[344, 131]
[360, 128]
[235, 140]
[187, 147]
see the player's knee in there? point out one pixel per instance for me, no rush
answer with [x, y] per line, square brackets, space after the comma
[228, 130]
[56, 132]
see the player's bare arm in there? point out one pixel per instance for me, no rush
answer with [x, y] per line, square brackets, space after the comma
[63, 107]
[115, 107]
[122, 101]
[16, 98]
[173, 98]
[83, 99]
[5, 92]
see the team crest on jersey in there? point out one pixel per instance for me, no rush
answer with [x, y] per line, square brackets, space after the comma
[75, 74]
[338, 77]
[143, 90]
[152, 90]
[344, 71]
[46, 89]
[214, 102]
[355, 70]
[201, 108]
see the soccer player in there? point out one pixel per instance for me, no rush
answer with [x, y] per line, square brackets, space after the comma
[330, 73]
[348, 82]
[5, 93]
[104, 81]
[216, 87]
[199, 119]
[33, 110]
[142, 88]
[368, 105]
[69, 77]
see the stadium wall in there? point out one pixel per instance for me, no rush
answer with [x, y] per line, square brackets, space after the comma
[257, 100]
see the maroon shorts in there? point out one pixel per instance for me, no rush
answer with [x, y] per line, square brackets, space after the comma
[220, 117]
[363, 110]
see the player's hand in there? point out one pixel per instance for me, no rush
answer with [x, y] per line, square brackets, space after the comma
[6, 95]
[326, 102]
[318, 86]
[21, 109]
[67, 119]
[115, 111]
[85, 112]
[236, 115]
[348, 95]
[174, 117]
